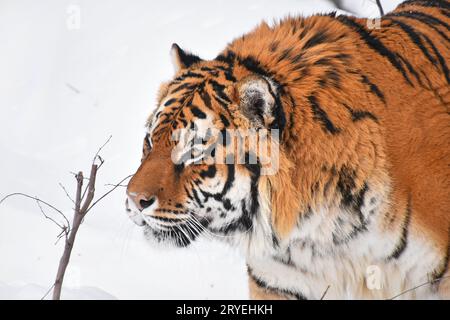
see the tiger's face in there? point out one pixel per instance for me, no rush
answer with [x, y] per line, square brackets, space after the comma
[182, 188]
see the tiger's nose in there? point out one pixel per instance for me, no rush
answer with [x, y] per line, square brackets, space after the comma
[142, 201]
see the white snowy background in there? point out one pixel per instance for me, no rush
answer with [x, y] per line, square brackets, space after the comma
[63, 92]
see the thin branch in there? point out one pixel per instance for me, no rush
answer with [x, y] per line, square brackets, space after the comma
[64, 232]
[102, 161]
[419, 286]
[35, 199]
[65, 258]
[75, 175]
[82, 204]
[115, 185]
[325, 293]
[90, 190]
[107, 193]
[380, 7]
[48, 291]
[48, 217]
[100, 149]
[67, 194]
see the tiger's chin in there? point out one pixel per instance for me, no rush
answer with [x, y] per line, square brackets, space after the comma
[178, 236]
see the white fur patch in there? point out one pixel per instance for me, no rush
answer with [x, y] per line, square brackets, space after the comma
[309, 261]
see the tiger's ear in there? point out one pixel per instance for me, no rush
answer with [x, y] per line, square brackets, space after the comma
[258, 101]
[182, 59]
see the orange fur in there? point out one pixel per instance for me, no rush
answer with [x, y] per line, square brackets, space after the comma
[354, 114]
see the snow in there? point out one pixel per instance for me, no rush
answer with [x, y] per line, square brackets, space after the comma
[27, 291]
[63, 91]
[369, 8]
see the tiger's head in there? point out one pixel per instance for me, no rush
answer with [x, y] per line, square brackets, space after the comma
[181, 190]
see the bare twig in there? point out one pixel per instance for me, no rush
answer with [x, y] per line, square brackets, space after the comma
[75, 175]
[64, 261]
[67, 194]
[419, 286]
[100, 149]
[50, 218]
[380, 7]
[83, 204]
[325, 293]
[37, 200]
[64, 232]
[115, 185]
[97, 156]
[48, 291]
[90, 189]
[107, 193]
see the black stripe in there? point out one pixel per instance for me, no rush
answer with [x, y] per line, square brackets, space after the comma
[227, 57]
[206, 99]
[230, 179]
[374, 88]
[219, 89]
[429, 21]
[169, 102]
[224, 120]
[375, 44]
[253, 65]
[346, 185]
[325, 61]
[249, 62]
[261, 283]
[411, 69]
[426, 3]
[440, 58]
[415, 38]
[197, 199]
[443, 268]
[197, 112]
[188, 74]
[255, 170]
[178, 169]
[403, 243]
[320, 115]
[297, 58]
[274, 46]
[209, 173]
[286, 53]
[246, 218]
[229, 75]
[182, 87]
[207, 69]
[278, 111]
[316, 39]
[358, 115]
[359, 203]
[353, 201]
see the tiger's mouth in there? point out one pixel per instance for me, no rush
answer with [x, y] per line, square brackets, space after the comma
[178, 230]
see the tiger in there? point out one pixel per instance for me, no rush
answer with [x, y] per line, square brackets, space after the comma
[359, 204]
